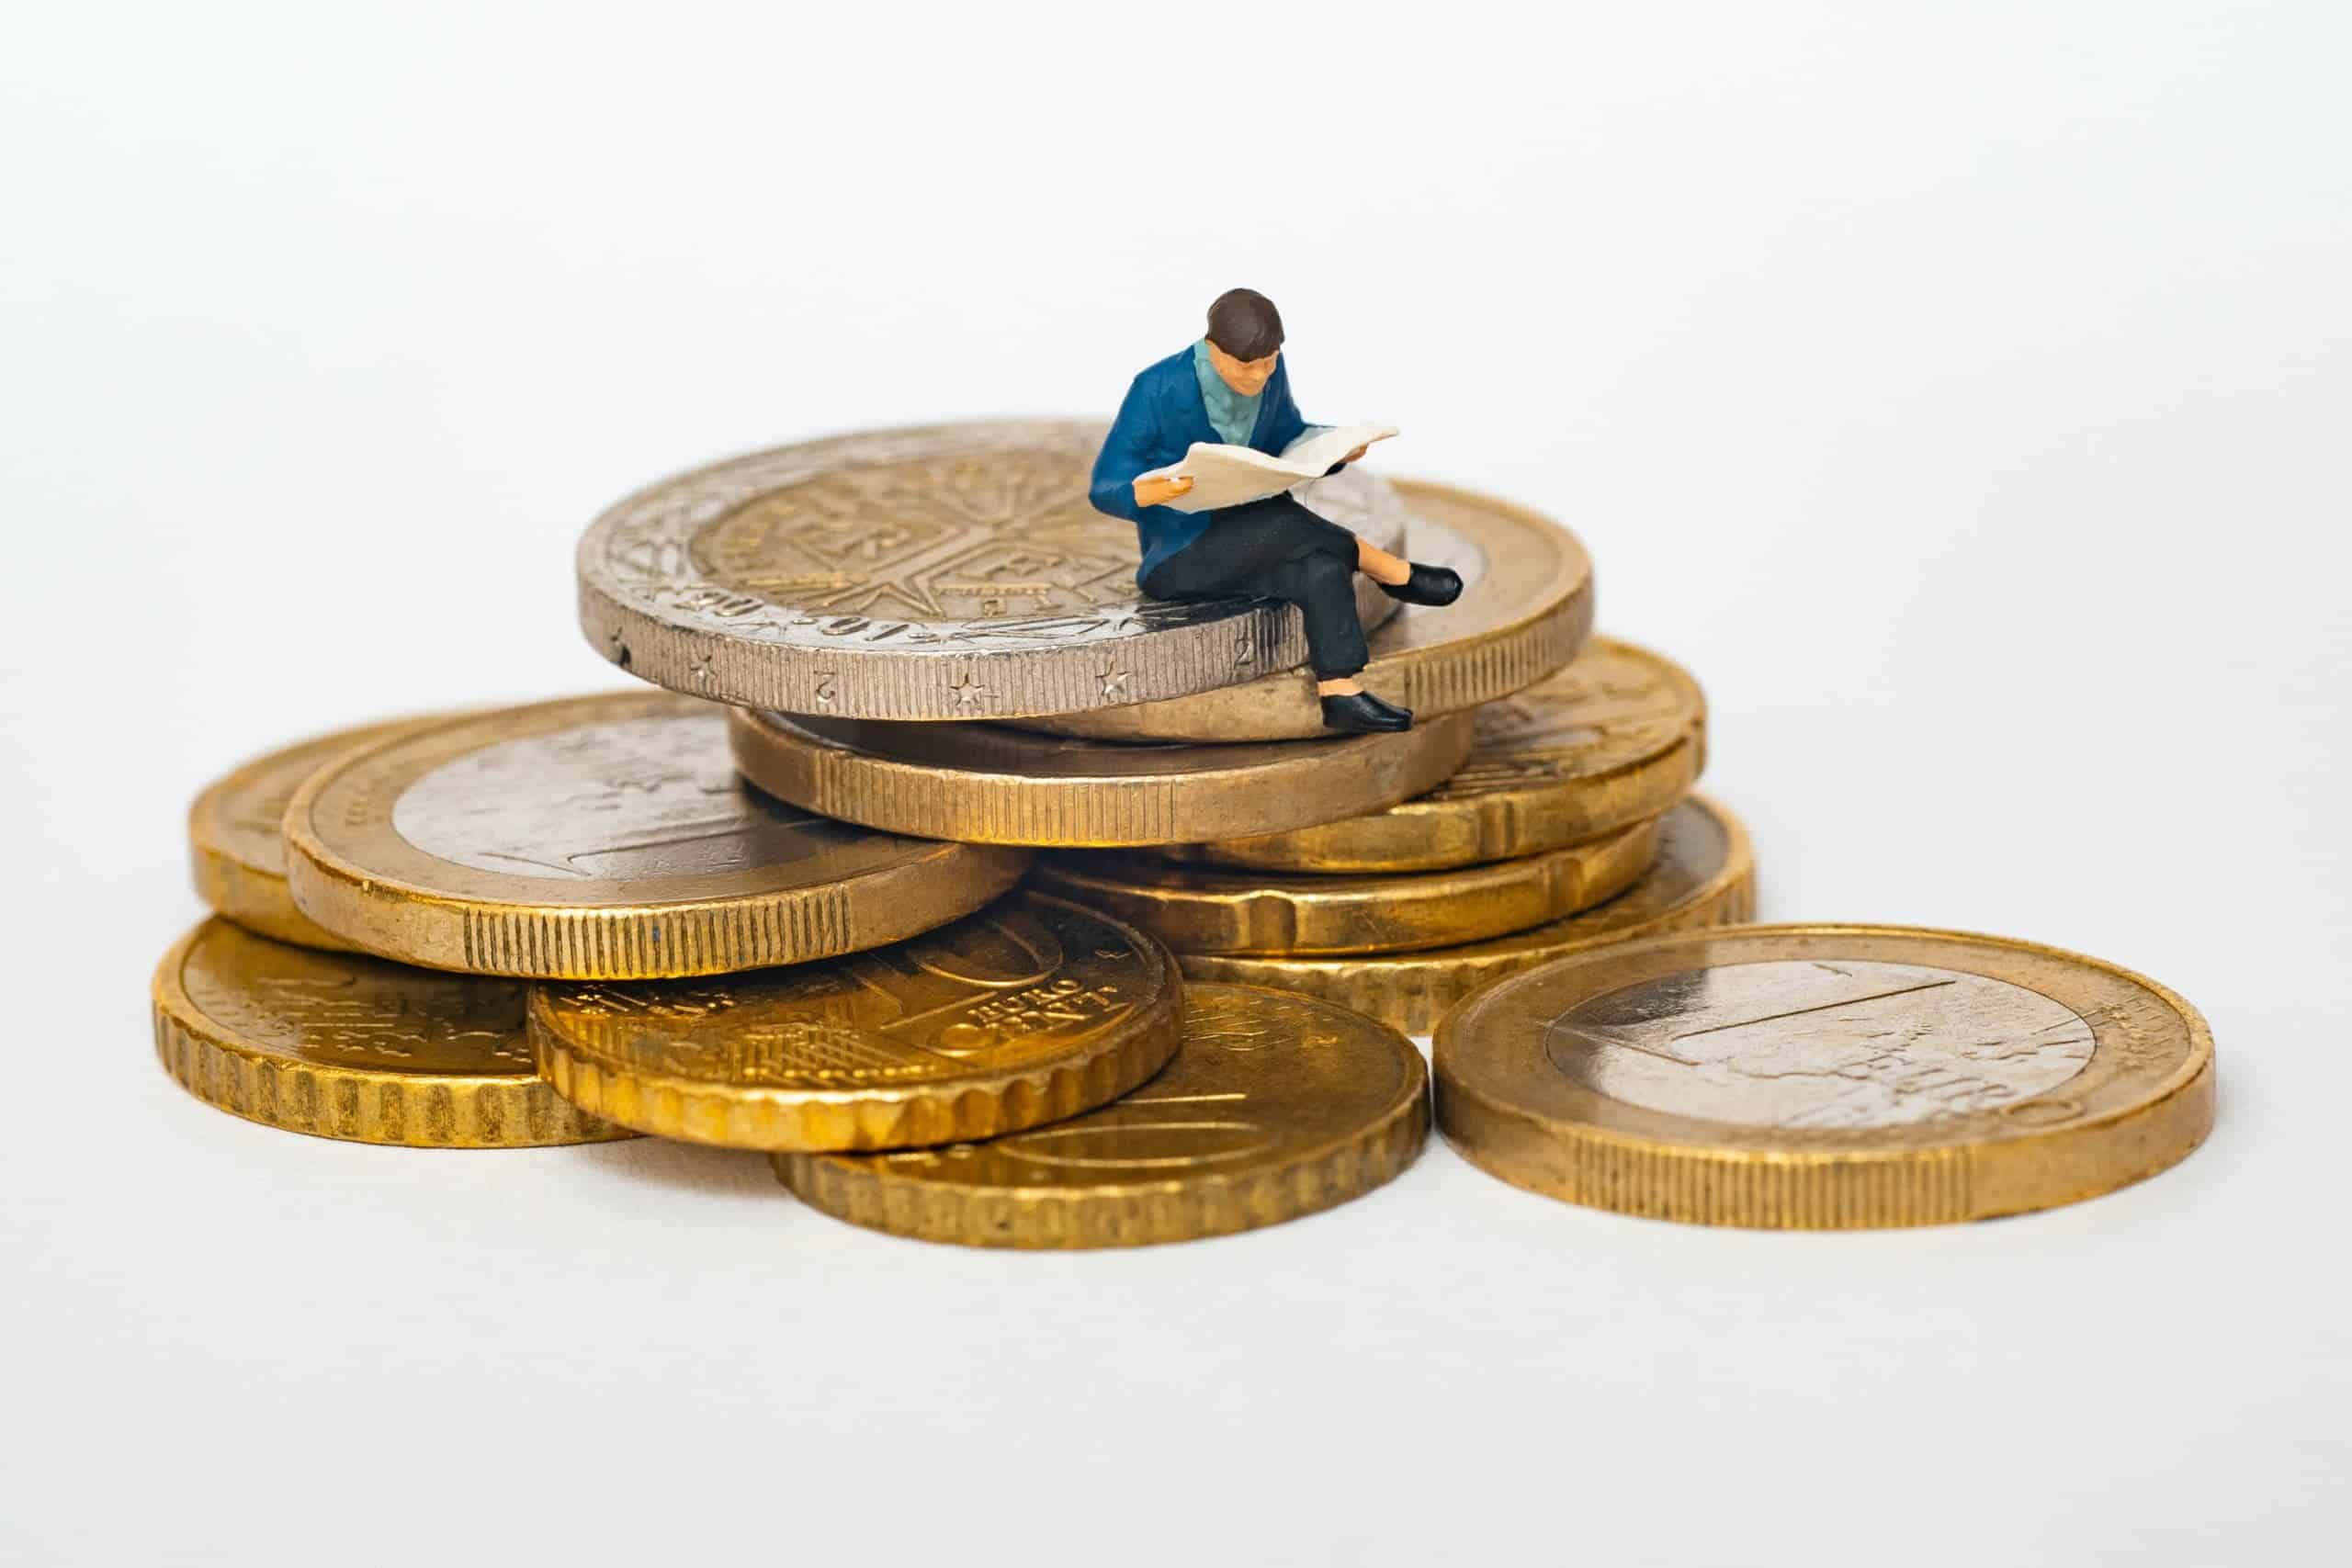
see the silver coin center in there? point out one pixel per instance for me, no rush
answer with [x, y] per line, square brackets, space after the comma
[631, 800]
[1799, 1044]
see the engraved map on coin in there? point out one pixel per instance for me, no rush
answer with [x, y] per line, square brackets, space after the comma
[634, 799]
[1015, 984]
[1820, 1045]
[341, 1009]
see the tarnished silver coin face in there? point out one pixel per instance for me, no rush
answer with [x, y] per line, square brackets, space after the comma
[1820, 1045]
[636, 799]
[958, 571]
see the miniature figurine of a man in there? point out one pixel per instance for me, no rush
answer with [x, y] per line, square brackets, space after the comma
[1232, 386]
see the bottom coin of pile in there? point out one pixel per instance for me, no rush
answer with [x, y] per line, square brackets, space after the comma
[1275, 1107]
[1704, 876]
[1030, 1012]
[362, 1049]
[1825, 1078]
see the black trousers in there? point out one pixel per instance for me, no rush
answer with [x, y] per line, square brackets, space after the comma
[1276, 548]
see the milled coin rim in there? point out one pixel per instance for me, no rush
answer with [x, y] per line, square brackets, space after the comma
[528, 928]
[1948, 1170]
[1141, 1212]
[1004, 806]
[770, 1119]
[1534, 638]
[1409, 990]
[355, 1105]
[1318, 915]
[1434, 833]
[1205, 648]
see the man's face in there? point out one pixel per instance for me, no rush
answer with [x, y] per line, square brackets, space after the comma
[1246, 377]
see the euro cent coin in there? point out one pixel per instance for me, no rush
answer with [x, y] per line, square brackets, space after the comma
[1030, 1012]
[341, 1046]
[952, 573]
[602, 838]
[1275, 1107]
[1825, 1078]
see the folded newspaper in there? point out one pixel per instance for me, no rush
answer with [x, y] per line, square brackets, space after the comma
[1229, 476]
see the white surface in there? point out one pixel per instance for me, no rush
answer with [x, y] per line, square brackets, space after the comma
[1960, 390]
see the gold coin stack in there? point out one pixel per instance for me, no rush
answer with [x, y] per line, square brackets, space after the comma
[1571, 825]
[995, 905]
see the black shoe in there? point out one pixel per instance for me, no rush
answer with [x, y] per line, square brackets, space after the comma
[1360, 713]
[1427, 585]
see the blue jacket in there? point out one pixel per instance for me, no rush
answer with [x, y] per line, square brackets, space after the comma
[1161, 417]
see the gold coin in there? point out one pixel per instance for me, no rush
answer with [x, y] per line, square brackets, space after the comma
[1275, 1107]
[347, 1046]
[1206, 910]
[990, 784]
[1617, 736]
[958, 571]
[235, 847]
[1030, 1012]
[602, 838]
[1705, 876]
[1825, 1078]
[1525, 608]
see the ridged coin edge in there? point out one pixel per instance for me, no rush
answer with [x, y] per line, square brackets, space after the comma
[357, 1105]
[1841, 1188]
[865, 1122]
[1143, 1214]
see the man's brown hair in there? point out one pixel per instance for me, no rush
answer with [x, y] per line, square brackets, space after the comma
[1245, 325]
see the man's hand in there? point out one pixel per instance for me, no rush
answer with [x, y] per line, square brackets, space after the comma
[1357, 455]
[1158, 492]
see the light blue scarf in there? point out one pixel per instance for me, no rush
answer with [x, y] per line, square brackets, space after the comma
[1231, 415]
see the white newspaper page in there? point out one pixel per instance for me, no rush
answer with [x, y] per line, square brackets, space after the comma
[1229, 476]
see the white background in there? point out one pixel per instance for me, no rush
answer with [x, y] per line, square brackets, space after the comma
[1960, 392]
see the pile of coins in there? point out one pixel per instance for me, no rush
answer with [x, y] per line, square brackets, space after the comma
[1000, 906]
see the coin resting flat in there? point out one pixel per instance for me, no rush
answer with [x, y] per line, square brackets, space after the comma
[345, 1046]
[236, 849]
[1275, 1107]
[1616, 737]
[1524, 611]
[602, 838]
[1705, 876]
[991, 784]
[956, 572]
[1825, 1078]
[1210, 909]
[1030, 1012]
